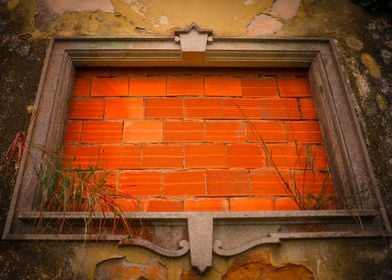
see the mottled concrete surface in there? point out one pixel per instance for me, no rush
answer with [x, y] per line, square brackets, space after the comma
[364, 43]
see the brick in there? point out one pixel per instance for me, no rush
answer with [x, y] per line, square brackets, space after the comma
[82, 87]
[285, 156]
[206, 205]
[279, 109]
[298, 87]
[183, 131]
[303, 132]
[227, 182]
[127, 71]
[140, 183]
[315, 188]
[257, 87]
[205, 156]
[159, 108]
[251, 204]
[80, 157]
[127, 205]
[268, 182]
[87, 109]
[225, 131]
[285, 203]
[95, 179]
[109, 87]
[177, 86]
[297, 156]
[317, 157]
[111, 205]
[143, 131]
[245, 156]
[124, 108]
[203, 108]
[120, 157]
[312, 182]
[72, 132]
[265, 131]
[222, 86]
[241, 108]
[108, 176]
[162, 206]
[162, 156]
[184, 183]
[102, 132]
[147, 86]
[308, 109]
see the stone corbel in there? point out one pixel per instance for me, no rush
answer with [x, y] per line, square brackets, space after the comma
[193, 41]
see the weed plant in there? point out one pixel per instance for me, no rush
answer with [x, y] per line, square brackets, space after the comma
[66, 189]
[303, 183]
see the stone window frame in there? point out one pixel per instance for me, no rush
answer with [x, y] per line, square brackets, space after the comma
[361, 212]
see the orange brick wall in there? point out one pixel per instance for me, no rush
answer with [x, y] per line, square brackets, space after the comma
[198, 139]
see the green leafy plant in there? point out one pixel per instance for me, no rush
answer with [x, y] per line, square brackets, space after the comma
[66, 189]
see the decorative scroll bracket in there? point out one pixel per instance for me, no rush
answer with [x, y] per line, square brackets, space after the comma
[193, 41]
[184, 247]
[229, 234]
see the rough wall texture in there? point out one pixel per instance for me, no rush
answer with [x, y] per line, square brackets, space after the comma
[365, 45]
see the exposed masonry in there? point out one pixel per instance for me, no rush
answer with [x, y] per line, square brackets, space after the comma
[195, 140]
[225, 233]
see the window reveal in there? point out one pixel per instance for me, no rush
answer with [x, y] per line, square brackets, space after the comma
[195, 140]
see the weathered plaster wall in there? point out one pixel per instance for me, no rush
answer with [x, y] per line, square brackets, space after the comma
[365, 44]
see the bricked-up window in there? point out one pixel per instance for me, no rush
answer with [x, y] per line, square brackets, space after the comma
[199, 139]
[221, 143]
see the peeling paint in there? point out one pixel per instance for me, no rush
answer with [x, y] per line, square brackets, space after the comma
[285, 9]
[136, 6]
[354, 43]
[371, 65]
[263, 25]
[249, 2]
[130, 17]
[362, 84]
[59, 7]
[164, 20]
[120, 268]
[382, 102]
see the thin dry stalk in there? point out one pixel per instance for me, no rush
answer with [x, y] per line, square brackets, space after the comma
[68, 190]
[305, 197]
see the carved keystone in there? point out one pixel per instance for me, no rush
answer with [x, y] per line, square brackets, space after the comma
[193, 41]
[200, 229]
